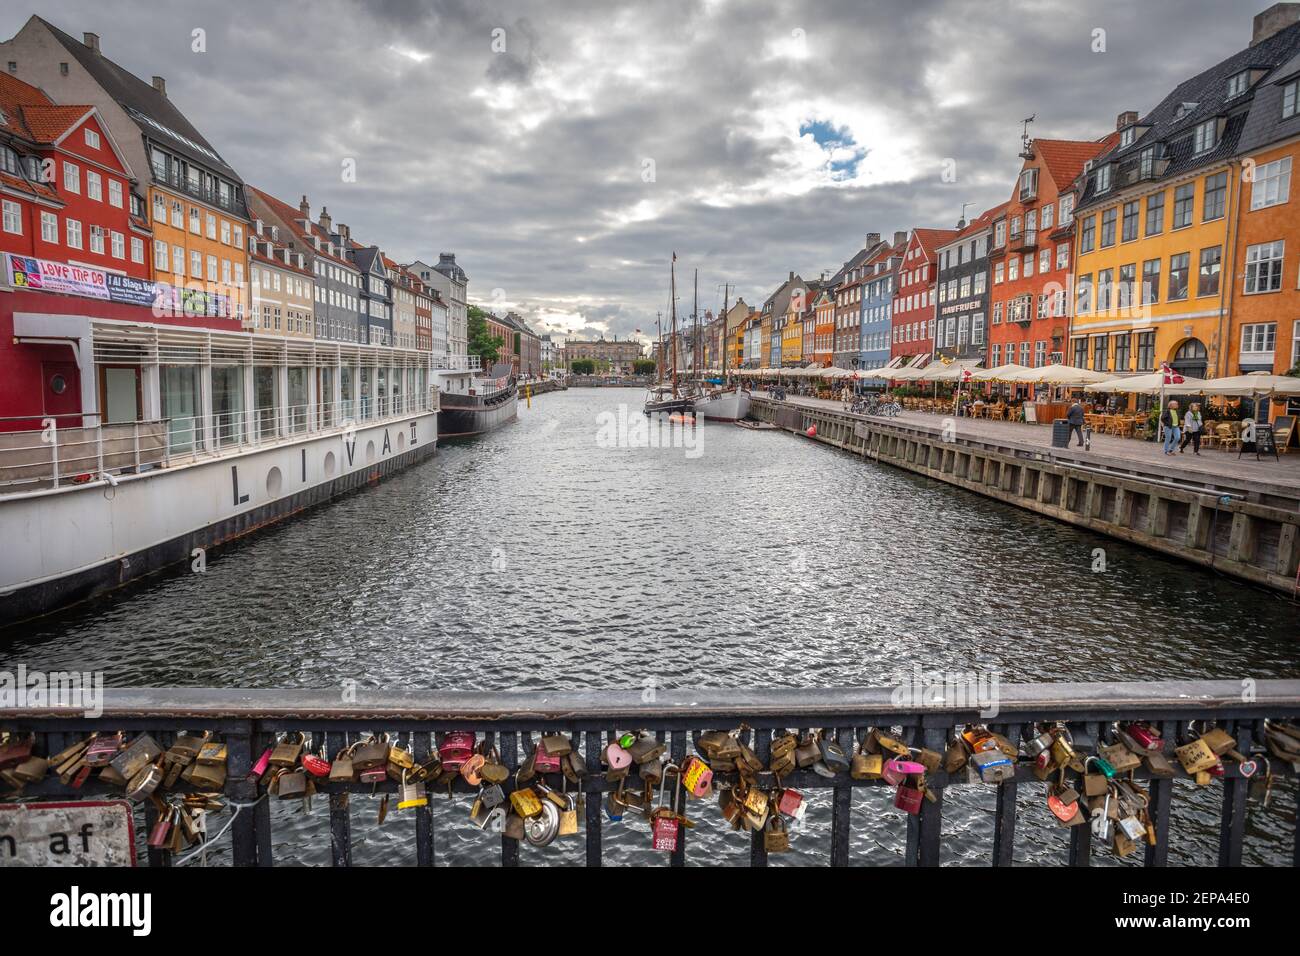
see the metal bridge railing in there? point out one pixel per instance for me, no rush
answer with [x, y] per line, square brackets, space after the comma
[247, 721]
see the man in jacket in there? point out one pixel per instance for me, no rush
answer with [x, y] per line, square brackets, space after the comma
[1171, 422]
[1075, 418]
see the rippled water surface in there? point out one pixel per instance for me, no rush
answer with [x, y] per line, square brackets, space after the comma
[541, 556]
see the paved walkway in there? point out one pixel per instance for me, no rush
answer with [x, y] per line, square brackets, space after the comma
[1211, 465]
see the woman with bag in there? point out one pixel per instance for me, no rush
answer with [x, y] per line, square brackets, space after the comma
[1192, 428]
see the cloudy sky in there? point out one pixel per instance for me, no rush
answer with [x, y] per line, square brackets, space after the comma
[564, 150]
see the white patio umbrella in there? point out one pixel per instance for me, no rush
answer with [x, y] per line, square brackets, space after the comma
[1149, 384]
[1253, 384]
[1059, 375]
[999, 373]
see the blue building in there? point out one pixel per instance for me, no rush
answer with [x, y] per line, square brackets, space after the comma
[878, 284]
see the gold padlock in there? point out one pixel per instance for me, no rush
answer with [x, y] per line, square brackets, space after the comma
[525, 802]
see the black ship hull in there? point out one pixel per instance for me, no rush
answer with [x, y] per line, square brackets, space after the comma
[462, 415]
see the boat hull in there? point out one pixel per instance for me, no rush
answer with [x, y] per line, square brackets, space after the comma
[455, 421]
[727, 407]
[75, 543]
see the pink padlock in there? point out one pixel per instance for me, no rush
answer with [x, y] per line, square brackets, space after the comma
[546, 763]
[617, 757]
[896, 769]
[456, 748]
[697, 777]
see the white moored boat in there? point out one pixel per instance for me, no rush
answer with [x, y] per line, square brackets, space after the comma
[723, 405]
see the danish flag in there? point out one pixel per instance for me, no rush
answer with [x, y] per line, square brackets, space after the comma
[1171, 377]
[965, 375]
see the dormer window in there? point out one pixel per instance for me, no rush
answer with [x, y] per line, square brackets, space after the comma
[1183, 110]
[1206, 136]
[1290, 94]
[1127, 136]
[1237, 84]
[1103, 178]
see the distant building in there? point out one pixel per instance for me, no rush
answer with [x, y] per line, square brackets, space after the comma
[614, 355]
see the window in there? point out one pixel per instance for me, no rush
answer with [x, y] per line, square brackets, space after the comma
[160, 255]
[1121, 352]
[49, 227]
[981, 282]
[1127, 279]
[13, 217]
[997, 273]
[211, 226]
[1272, 184]
[1047, 217]
[977, 329]
[212, 268]
[195, 225]
[1024, 353]
[137, 249]
[1105, 283]
[1178, 275]
[1146, 351]
[1151, 282]
[1207, 281]
[117, 245]
[997, 313]
[1088, 236]
[1183, 197]
[178, 261]
[196, 264]
[73, 233]
[71, 178]
[94, 186]
[1206, 136]
[1013, 268]
[1295, 344]
[1216, 192]
[1259, 338]
[1130, 229]
[1289, 95]
[1062, 255]
[1237, 83]
[1083, 297]
[1100, 353]
[1264, 267]
[1103, 179]
[1044, 260]
[1067, 209]
[178, 214]
[1156, 213]
[1147, 162]
[225, 232]
[1126, 137]
[1108, 227]
[115, 193]
[1080, 353]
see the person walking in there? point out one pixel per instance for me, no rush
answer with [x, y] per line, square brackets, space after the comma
[1075, 417]
[1192, 428]
[1170, 420]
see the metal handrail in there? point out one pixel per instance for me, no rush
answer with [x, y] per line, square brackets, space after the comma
[247, 720]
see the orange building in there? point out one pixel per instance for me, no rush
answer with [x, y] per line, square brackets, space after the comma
[824, 331]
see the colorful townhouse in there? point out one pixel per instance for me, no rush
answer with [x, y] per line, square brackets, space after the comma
[735, 318]
[792, 328]
[1156, 223]
[848, 305]
[772, 320]
[823, 351]
[912, 321]
[192, 197]
[1264, 296]
[962, 282]
[281, 288]
[880, 282]
[1032, 252]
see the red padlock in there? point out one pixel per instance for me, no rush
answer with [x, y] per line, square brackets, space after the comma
[263, 762]
[790, 802]
[1145, 737]
[456, 748]
[908, 798]
[162, 829]
[546, 763]
[316, 765]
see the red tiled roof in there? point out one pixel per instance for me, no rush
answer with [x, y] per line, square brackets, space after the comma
[931, 239]
[293, 216]
[1064, 158]
[31, 114]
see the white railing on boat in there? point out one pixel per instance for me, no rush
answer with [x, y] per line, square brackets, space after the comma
[54, 451]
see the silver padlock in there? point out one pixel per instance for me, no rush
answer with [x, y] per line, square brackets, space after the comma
[1037, 745]
[1101, 821]
[492, 796]
[543, 828]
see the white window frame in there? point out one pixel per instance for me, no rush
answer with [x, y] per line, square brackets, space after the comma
[50, 227]
[1259, 255]
[1272, 184]
[73, 233]
[94, 186]
[92, 138]
[1205, 137]
[72, 177]
[115, 193]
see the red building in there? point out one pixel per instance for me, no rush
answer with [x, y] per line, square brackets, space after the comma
[913, 314]
[1030, 254]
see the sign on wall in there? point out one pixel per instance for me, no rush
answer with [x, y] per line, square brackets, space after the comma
[61, 278]
[84, 833]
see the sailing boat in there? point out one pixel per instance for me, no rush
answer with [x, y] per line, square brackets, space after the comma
[723, 404]
[666, 398]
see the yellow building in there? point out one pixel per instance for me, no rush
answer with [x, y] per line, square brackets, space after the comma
[792, 330]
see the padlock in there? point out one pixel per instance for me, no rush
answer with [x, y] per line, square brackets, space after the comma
[896, 770]
[371, 753]
[1196, 756]
[16, 749]
[1101, 828]
[568, 813]
[617, 758]
[186, 747]
[457, 746]
[1144, 736]
[102, 750]
[205, 776]
[1068, 812]
[573, 766]
[790, 803]
[1219, 741]
[1158, 763]
[833, 756]
[979, 739]
[993, 766]
[161, 832]
[954, 755]
[755, 804]
[808, 752]
[316, 765]
[776, 838]
[290, 784]
[867, 766]
[697, 777]
[410, 794]
[488, 819]
[287, 749]
[651, 772]
[525, 802]
[471, 767]
[1121, 759]
[31, 770]
[1036, 744]
[645, 749]
[212, 752]
[513, 828]
[909, 795]
[665, 826]
[543, 827]
[556, 745]
[342, 770]
[493, 770]
[399, 758]
[263, 764]
[145, 781]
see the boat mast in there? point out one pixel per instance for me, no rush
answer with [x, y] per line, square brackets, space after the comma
[695, 321]
[659, 339]
[672, 295]
[723, 337]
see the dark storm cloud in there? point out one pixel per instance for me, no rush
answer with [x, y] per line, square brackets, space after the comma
[529, 162]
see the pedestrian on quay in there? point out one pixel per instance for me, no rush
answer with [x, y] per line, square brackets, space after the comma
[1192, 428]
[844, 396]
[1170, 420]
[1075, 417]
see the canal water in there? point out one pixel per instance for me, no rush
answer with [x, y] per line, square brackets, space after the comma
[580, 548]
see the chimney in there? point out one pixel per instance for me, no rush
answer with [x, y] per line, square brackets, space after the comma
[1273, 20]
[305, 208]
[1127, 118]
[873, 239]
[791, 279]
[91, 40]
[343, 232]
[900, 238]
[160, 85]
[325, 219]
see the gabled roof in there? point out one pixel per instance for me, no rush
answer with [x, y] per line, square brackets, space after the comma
[1064, 158]
[151, 110]
[1192, 102]
[978, 225]
[1265, 124]
[292, 217]
[31, 119]
[931, 239]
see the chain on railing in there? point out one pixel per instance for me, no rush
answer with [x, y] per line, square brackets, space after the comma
[1106, 756]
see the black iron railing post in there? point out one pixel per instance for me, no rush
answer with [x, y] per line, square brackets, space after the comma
[842, 806]
[1232, 822]
[424, 852]
[677, 754]
[340, 812]
[1161, 794]
[508, 747]
[239, 760]
[593, 796]
[757, 847]
[1004, 820]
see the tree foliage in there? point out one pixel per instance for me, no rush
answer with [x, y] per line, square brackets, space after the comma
[481, 342]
